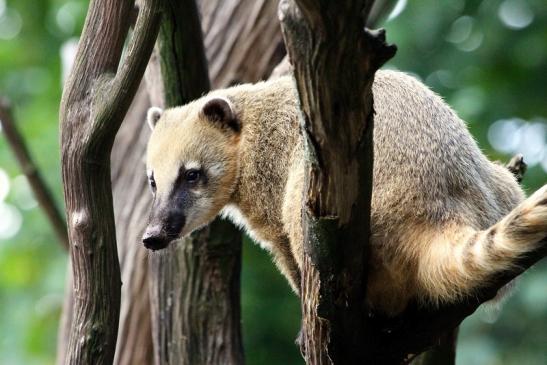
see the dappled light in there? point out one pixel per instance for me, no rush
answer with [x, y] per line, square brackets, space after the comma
[22, 194]
[516, 14]
[10, 23]
[10, 221]
[515, 135]
[10, 217]
[4, 185]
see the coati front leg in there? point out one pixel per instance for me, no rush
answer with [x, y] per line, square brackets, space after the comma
[460, 259]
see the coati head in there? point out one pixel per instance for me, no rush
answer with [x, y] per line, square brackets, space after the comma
[192, 164]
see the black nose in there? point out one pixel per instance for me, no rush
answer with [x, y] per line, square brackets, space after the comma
[154, 239]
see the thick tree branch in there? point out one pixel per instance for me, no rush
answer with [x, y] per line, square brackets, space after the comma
[29, 168]
[334, 62]
[94, 102]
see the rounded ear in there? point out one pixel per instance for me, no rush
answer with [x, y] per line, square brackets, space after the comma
[153, 115]
[220, 111]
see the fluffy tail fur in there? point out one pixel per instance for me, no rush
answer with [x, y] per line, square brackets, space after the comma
[461, 259]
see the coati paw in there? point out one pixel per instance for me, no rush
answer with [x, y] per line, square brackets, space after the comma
[517, 166]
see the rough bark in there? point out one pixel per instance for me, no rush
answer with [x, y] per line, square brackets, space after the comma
[196, 299]
[334, 62]
[132, 199]
[242, 38]
[95, 100]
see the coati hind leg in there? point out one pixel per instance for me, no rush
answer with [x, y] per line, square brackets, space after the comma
[460, 259]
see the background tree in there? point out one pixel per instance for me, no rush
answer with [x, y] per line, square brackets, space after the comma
[480, 82]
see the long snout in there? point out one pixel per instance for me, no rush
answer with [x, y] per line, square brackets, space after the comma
[165, 225]
[154, 238]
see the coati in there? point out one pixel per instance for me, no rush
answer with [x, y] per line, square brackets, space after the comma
[444, 218]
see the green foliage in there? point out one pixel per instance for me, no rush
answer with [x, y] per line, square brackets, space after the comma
[32, 263]
[271, 312]
[487, 58]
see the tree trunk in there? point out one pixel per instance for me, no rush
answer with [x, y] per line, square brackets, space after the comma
[95, 100]
[132, 200]
[334, 62]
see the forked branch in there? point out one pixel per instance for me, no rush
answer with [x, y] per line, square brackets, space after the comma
[95, 100]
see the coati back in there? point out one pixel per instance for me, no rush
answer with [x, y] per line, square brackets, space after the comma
[444, 218]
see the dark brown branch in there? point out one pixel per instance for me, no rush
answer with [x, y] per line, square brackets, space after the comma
[95, 100]
[334, 62]
[29, 168]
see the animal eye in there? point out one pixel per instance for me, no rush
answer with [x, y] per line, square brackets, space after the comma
[192, 175]
[152, 183]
